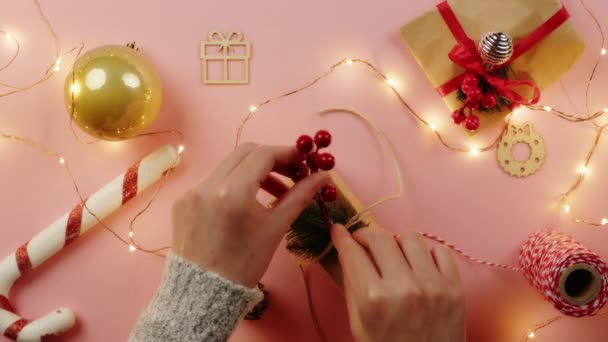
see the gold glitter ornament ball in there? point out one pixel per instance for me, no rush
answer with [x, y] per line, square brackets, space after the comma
[113, 92]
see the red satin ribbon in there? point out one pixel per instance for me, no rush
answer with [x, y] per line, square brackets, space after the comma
[465, 54]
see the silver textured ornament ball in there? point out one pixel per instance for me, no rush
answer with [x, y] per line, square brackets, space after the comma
[495, 48]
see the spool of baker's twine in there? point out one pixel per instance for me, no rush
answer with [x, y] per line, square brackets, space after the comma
[570, 276]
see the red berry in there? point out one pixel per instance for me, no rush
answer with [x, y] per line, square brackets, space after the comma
[458, 117]
[299, 172]
[489, 100]
[474, 95]
[304, 144]
[473, 106]
[466, 88]
[290, 171]
[311, 161]
[472, 122]
[470, 80]
[326, 161]
[322, 139]
[329, 193]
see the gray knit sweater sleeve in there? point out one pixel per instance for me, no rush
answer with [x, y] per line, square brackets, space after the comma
[193, 305]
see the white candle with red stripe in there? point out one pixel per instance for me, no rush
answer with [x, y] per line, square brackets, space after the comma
[63, 231]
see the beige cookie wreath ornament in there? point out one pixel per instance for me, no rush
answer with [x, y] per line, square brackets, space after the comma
[521, 134]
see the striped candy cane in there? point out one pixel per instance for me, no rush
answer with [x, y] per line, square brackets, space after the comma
[53, 238]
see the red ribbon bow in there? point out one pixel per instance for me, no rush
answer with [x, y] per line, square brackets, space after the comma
[468, 58]
[465, 55]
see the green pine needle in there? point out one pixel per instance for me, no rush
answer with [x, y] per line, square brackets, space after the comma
[462, 97]
[309, 234]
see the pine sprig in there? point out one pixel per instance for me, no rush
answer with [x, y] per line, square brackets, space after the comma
[462, 97]
[310, 234]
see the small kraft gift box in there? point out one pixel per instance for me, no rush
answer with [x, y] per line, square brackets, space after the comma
[228, 51]
[446, 43]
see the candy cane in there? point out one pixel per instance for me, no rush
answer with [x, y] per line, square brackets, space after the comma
[62, 232]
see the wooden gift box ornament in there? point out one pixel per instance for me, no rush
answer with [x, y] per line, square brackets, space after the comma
[226, 49]
[507, 51]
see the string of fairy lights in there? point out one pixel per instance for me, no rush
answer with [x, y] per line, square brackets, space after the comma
[393, 83]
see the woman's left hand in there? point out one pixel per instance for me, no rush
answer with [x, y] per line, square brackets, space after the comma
[220, 225]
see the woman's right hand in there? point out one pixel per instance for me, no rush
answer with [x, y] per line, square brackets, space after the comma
[398, 290]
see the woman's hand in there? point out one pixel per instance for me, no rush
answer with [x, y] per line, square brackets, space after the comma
[220, 225]
[398, 290]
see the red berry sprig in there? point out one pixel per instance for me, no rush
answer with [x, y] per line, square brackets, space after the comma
[476, 95]
[315, 161]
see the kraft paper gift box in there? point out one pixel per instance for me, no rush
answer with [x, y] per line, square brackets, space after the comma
[430, 39]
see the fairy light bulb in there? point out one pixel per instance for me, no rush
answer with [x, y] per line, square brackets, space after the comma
[349, 61]
[604, 221]
[584, 170]
[8, 35]
[180, 149]
[130, 234]
[531, 334]
[253, 108]
[514, 114]
[566, 208]
[393, 83]
[603, 51]
[433, 127]
[547, 108]
[132, 248]
[61, 160]
[57, 64]
[474, 152]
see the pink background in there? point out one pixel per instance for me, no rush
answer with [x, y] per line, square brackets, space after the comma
[469, 201]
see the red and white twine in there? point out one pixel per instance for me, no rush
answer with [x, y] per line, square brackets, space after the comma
[466, 256]
[543, 259]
